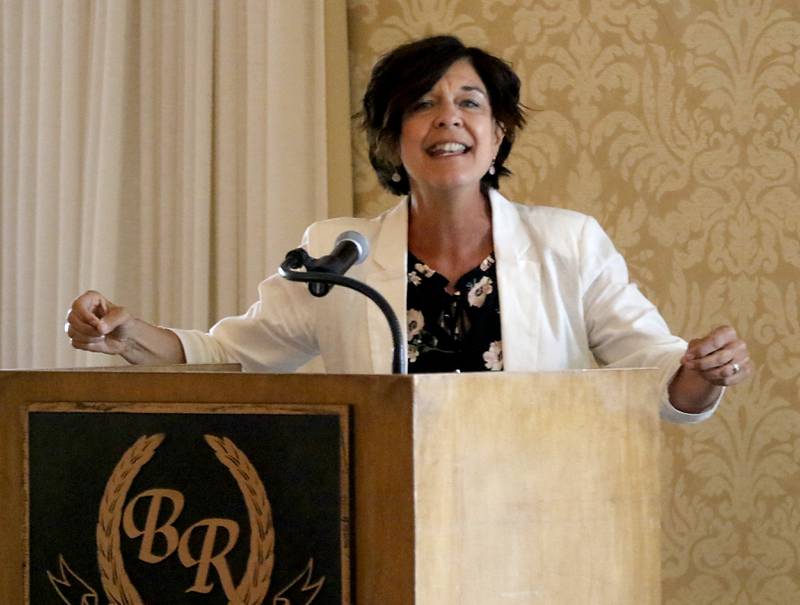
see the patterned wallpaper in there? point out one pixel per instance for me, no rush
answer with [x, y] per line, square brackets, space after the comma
[677, 124]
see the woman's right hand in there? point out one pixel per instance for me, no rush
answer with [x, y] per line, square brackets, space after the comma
[95, 324]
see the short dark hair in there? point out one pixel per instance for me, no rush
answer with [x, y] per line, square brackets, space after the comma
[407, 73]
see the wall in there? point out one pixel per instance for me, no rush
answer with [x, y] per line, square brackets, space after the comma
[677, 125]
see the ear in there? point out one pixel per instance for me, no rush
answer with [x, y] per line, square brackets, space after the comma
[389, 152]
[499, 133]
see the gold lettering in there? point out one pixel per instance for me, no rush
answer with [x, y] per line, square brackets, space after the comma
[151, 527]
[207, 557]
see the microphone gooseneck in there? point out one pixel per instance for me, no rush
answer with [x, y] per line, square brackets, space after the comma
[321, 274]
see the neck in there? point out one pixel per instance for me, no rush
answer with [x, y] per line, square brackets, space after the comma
[451, 232]
[449, 215]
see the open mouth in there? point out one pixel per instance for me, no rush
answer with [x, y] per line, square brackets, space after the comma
[447, 149]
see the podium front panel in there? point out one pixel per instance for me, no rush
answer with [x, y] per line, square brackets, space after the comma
[187, 503]
[537, 489]
[205, 488]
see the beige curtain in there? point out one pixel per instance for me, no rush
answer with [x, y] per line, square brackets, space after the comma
[165, 153]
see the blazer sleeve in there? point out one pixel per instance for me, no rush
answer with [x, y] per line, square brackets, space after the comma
[276, 334]
[623, 327]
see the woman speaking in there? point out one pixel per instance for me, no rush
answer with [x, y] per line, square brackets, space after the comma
[485, 284]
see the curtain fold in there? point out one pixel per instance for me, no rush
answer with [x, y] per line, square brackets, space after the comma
[164, 153]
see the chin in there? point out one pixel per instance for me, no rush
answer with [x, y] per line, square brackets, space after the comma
[451, 182]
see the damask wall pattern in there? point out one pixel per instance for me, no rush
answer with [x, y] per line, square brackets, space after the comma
[676, 123]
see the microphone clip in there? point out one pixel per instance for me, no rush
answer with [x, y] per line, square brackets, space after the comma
[298, 259]
[351, 248]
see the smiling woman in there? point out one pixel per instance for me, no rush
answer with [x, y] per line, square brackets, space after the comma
[449, 138]
[402, 83]
[486, 284]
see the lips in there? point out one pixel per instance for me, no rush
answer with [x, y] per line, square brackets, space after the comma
[446, 148]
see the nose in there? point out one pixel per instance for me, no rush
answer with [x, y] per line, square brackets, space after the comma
[448, 117]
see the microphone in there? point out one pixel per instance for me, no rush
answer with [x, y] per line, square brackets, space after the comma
[351, 248]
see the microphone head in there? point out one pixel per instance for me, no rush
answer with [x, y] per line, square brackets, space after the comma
[360, 242]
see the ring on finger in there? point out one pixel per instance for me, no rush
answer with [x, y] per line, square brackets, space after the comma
[735, 367]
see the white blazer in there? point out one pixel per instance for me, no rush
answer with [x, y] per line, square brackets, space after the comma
[565, 303]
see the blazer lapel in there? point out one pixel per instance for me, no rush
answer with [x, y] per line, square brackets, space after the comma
[388, 275]
[518, 276]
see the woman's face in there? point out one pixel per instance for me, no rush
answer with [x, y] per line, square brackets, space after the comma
[449, 137]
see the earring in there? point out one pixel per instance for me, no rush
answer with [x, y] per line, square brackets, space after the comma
[396, 178]
[491, 169]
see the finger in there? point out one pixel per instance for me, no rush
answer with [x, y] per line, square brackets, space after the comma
[75, 325]
[716, 339]
[76, 335]
[95, 345]
[736, 372]
[89, 307]
[98, 344]
[734, 352]
[83, 342]
[113, 319]
[729, 374]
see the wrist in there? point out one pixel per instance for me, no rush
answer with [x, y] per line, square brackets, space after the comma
[690, 393]
[131, 349]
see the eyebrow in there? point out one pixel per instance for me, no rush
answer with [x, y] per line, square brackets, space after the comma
[469, 88]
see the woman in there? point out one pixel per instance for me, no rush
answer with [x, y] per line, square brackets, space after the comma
[486, 284]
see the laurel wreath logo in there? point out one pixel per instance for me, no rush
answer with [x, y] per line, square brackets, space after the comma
[117, 585]
[254, 585]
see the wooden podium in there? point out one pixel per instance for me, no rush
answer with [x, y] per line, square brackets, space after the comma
[439, 490]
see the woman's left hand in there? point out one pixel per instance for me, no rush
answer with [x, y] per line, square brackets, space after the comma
[720, 358]
[717, 360]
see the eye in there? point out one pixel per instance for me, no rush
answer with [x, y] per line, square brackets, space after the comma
[421, 104]
[471, 103]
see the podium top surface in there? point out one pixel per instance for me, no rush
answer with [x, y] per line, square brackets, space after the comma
[218, 382]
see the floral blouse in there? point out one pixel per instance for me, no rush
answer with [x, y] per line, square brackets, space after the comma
[453, 332]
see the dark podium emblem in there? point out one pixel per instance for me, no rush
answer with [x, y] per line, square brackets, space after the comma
[155, 507]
